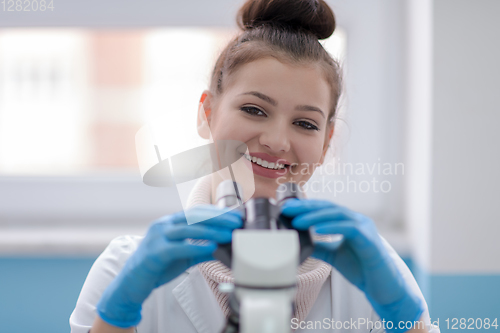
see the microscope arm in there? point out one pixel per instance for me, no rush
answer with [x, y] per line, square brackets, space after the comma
[265, 266]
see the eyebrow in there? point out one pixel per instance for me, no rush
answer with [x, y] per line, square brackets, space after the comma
[274, 103]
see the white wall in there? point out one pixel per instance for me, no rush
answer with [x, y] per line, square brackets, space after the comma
[124, 14]
[466, 158]
[453, 115]
[419, 92]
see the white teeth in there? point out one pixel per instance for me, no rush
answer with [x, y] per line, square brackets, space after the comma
[264, 163]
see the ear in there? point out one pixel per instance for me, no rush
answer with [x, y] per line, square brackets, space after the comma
[204, 115]
[327, 143]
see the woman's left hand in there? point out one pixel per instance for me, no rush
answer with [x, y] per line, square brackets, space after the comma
[360, 256]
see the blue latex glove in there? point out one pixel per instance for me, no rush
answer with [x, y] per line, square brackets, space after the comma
[164, 254]
[360, 257]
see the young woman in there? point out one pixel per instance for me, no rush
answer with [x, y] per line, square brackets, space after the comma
[276, 89]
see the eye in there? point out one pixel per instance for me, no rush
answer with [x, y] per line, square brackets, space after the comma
[307, 125]
[252, 111]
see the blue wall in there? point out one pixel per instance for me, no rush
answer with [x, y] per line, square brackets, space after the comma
[460, 296]
[39, 294]
[464, 296]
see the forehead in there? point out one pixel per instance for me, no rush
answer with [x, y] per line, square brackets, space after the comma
[282, 81]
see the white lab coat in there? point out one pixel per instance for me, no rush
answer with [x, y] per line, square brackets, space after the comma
[187, 304]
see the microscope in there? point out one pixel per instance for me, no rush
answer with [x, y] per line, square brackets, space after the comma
[264, 256]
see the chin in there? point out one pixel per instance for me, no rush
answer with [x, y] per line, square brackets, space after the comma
[260, 194]
[265, 187]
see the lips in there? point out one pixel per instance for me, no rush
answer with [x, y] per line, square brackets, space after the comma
[269, 158]
[266, 172]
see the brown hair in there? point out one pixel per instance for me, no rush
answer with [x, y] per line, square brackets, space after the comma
[287, 30]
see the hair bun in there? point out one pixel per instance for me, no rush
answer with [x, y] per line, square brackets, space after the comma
[312, 15]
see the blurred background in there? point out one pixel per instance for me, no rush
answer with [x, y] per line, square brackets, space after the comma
[414, 146]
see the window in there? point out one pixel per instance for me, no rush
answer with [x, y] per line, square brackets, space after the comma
[72, 100]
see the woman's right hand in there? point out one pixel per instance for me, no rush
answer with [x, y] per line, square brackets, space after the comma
[164, 254]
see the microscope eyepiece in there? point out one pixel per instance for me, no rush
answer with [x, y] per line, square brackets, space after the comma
[261, 213]
[287, 191]
[229, 194]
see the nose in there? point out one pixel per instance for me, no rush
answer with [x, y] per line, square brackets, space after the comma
[275, 137]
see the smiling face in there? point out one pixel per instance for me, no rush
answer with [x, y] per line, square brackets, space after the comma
[280, 112]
